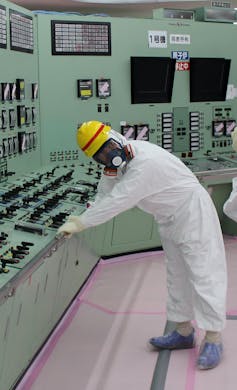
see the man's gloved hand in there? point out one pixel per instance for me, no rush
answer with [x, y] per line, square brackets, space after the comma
[73, 225]
[234, 139]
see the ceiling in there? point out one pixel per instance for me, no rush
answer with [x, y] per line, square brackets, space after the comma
[131, 8]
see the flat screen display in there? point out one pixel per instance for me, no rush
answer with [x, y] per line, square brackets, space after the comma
[152, 79]
[208, 79]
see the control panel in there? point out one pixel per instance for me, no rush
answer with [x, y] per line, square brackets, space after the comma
[37, 204]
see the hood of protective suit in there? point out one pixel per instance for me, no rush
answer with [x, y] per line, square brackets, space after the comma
[118, 137]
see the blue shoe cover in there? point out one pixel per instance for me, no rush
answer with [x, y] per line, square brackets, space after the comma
[210, 356]
[173, 340]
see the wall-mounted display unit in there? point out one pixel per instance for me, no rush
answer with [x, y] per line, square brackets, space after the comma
[21, 32]
[103, 88]
[85, 88]
[3, 27]
[80, 38]
[152, 79]
[208, 79]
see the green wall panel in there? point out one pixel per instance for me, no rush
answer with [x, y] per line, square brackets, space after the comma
[62, 110]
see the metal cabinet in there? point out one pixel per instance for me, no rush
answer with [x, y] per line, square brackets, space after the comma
[133, 230]
[78, 261]
[46, 296]
[22, 328]
[5, 316]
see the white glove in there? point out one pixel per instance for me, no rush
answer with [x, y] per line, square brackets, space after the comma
[73, 225]
[234, 139]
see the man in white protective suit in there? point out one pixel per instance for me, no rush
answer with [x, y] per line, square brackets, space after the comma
[230, 206]
[142, 174]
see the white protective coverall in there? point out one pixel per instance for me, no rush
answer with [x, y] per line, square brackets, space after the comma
[160, 184]
[230, 206]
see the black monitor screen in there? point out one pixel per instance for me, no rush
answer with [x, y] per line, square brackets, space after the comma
[208, 79]
[152, 79]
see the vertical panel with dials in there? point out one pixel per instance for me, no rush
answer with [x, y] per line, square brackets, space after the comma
[10, 146]
[31, 140]
[34, 91]
[15, 145]
[5, 92]
[27, 141]
[12, 91]
[4, 119]
[22, 141]
[28, 116]
[5, 147]
[34, 115]
[21, 116]
[20, 89]
[12, 118]
[34, 140]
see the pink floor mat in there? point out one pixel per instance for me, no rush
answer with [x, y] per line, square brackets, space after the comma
[101, 343]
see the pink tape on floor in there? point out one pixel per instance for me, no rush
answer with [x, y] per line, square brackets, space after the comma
[232, 312]
[192, 368]
[108, 311]
[191, 371]
[132, 257]
[90, 281]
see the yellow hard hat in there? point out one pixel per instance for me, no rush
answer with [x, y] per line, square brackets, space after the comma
[91, 136]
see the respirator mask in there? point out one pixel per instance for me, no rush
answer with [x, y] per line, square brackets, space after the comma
[113, 155]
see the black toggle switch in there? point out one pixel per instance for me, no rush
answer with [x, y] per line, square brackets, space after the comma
[27, 243]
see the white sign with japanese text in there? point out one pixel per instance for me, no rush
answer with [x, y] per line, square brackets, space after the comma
[157, 39]
[180, 39]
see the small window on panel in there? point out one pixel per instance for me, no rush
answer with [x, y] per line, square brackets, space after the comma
[103, 88]
[229, 127]
[218, 128]
[142, 132]
[84, 88]
[128, 131]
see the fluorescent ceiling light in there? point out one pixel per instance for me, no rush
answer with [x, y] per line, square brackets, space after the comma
[119, 1]
[111, 2]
